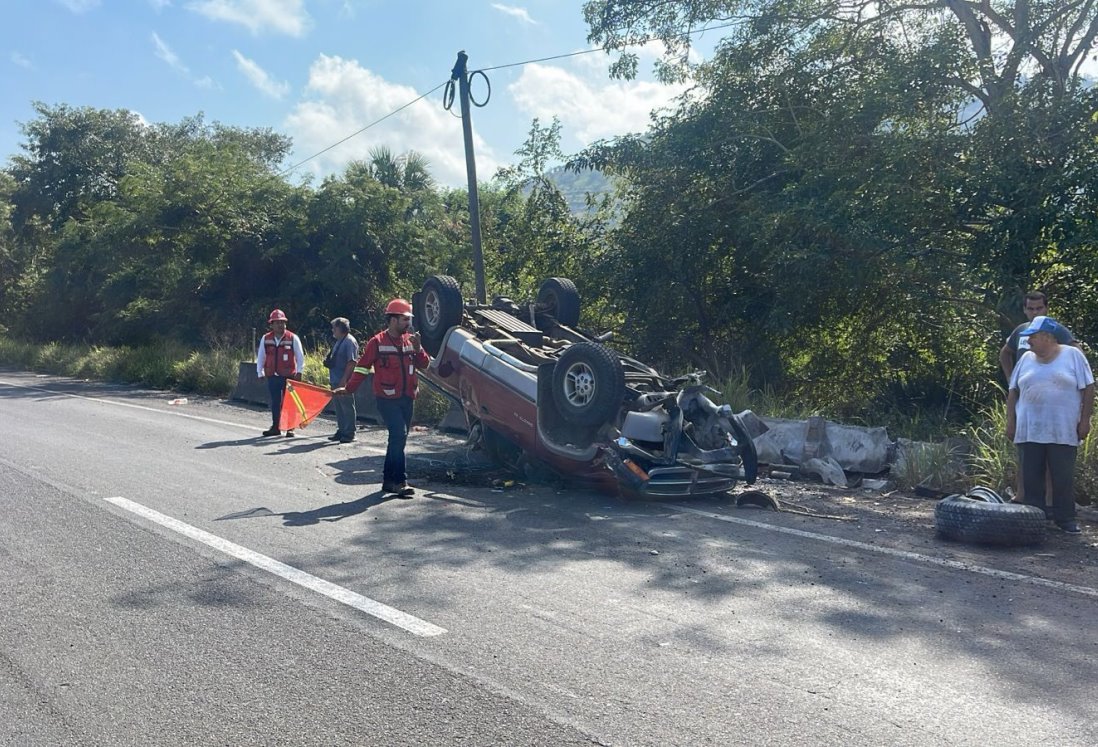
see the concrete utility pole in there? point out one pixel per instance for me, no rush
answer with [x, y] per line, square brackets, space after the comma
[461, 75]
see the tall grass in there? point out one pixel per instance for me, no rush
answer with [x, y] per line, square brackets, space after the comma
[737, 392]
[930, 465]
[159, 366]
[171, 366]
[994, 459]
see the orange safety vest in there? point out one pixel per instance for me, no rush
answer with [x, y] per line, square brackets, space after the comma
[395, 367]
[279, 359]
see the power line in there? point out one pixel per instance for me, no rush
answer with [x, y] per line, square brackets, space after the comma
[604, 48]
[484, 70]
[359, 132]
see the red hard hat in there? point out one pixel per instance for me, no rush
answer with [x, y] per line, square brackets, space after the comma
[399, 306]
[276, 316]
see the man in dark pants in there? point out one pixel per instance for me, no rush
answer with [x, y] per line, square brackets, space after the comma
[1048, 415]
[279, 357]
[341, 364]
[395, 355]
[1034, 304]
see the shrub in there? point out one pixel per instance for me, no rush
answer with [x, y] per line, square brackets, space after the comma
[937, 466]
[315, 371]
[211, 372]
[1086, 468]
[431, 406]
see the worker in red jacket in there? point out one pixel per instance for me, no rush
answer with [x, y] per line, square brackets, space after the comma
[395, 354]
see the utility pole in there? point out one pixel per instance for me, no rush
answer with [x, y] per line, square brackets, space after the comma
[461, 75]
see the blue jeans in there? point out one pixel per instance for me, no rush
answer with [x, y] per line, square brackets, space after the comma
[276, 387]
[397, 416]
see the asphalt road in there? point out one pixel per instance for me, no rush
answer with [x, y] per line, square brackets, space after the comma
[168, 577]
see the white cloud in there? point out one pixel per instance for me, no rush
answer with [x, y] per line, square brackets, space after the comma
[259, 77]
[520, 13]
[344, 97]
[281, 16]
[589, 105]
[21, 61]
[80, 6]
[165, 53]
[160, 4]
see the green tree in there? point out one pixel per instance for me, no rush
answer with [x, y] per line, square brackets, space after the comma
[531, 233]
[851, 190]
[73, 157]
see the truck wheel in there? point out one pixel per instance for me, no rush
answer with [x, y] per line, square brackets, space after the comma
[588, 384]
[559, 298]
[440, 308]
[967, 520]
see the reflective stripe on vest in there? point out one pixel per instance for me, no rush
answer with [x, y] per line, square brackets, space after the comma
[279, 358]
[386, 353]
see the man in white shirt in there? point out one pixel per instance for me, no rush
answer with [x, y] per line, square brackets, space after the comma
[1049, 407]
[279, 357]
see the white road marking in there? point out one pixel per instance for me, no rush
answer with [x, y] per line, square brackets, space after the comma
[371, 607]
[146, 408]
[903, 554]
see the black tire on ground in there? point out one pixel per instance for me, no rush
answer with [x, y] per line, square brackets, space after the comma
[967, 520]
[559, 298]
[440, 308]
[588, 384]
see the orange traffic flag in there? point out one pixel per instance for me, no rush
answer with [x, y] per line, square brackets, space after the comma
[301, 403]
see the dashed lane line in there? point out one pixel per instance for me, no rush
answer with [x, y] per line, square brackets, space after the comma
[371, 607]
[902, 554]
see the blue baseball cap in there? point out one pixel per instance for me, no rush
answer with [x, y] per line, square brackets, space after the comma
[1043, 324]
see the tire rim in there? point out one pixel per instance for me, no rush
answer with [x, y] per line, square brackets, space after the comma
[579, 385]
[432, 310]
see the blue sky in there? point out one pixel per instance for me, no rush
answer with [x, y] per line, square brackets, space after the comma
[318, 70]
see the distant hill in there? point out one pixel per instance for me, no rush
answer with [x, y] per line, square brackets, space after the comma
[575, 186]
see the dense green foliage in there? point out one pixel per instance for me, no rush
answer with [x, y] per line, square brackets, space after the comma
[855, 196]
[117, 232]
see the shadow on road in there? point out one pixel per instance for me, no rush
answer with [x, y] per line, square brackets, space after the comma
[250, 441]
[333, 512]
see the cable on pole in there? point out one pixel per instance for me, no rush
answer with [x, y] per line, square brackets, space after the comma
[488, 96]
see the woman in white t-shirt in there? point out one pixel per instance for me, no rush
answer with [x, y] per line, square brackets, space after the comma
[1048, 414]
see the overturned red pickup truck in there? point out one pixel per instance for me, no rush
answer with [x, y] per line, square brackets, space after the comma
[537, 390]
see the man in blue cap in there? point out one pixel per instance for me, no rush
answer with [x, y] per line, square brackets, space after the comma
[1049, 406]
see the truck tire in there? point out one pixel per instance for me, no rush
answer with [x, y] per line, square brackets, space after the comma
[559, 298]
[588, 384]
[967, 520]
[440, 308]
